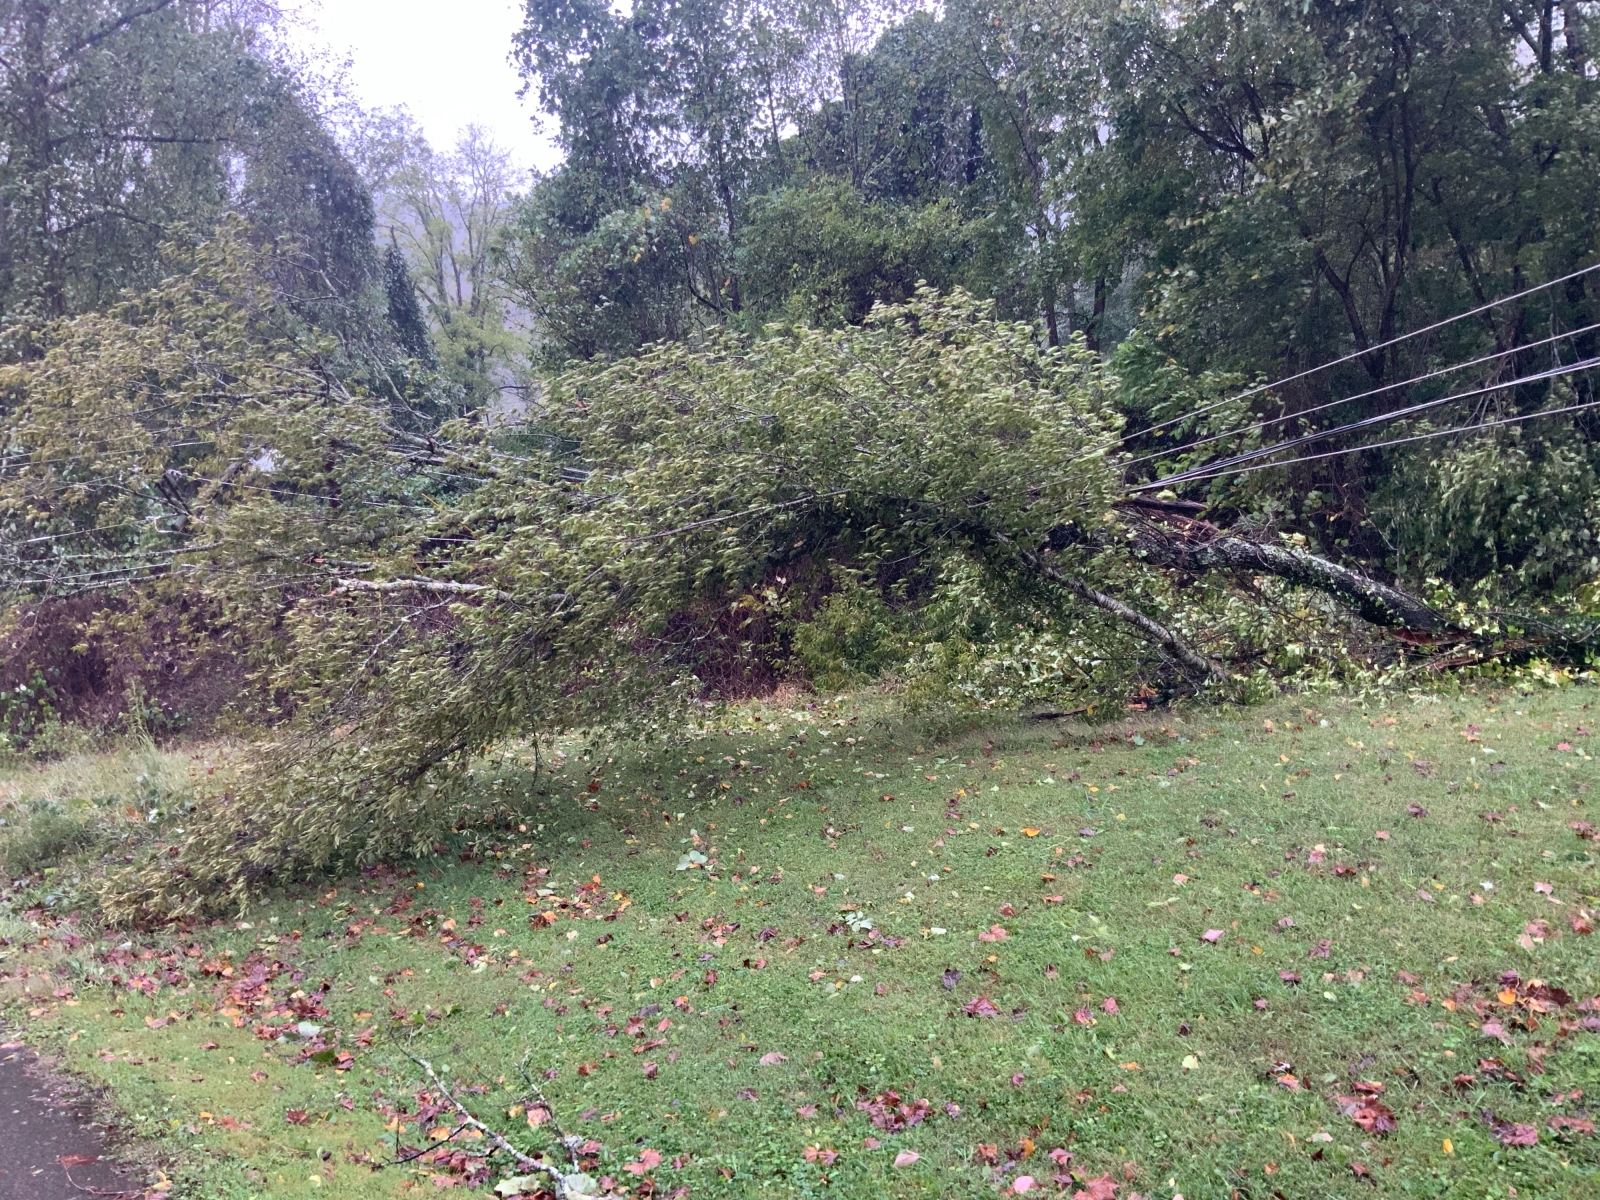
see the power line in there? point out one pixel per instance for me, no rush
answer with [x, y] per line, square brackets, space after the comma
[1266, 387]
[1388, 387]
[1412, 410]
[1419, 437]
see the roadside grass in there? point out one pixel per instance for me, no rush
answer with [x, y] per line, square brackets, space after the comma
[1160, 946]
[51, 812]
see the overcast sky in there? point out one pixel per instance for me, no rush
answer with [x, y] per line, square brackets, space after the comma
[445, 60]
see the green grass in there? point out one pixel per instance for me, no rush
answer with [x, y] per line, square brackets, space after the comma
[1181, 1090]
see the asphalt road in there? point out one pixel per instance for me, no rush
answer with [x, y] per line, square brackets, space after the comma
[49, 1147]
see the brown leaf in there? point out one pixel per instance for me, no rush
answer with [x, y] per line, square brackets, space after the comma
[1370, 1113]
[1102, 1187]
[1510, 1134]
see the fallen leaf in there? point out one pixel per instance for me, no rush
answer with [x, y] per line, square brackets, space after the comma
[772, 1058]
[906, 1157]
[1109, 1006]
[1572, 1124]
[1022, 1184]
[1102, 1187]
[981, 1006]
[951, 978]
[1323, 948]
[1543, 889]
[816, 1154]
[296, 1116]
[1211, 935]
[1289, 976]
[1370, 1113]
[994, 933]
[649, 1160]
[1416, 810]
[1509, 1134]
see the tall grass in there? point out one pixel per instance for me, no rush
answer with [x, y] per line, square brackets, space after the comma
[79, 805]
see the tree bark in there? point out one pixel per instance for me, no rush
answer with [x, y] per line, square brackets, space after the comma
[1377, 603]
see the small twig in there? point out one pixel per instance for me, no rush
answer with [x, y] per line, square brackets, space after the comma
[495, 1138]
[570, 1141]
[401, 1159]
[95, 1191]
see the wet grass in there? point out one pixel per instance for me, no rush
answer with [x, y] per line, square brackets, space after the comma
[1162, 947]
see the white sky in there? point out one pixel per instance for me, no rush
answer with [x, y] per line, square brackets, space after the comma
[445, 60]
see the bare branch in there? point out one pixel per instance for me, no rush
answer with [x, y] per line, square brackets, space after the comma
[422, 585]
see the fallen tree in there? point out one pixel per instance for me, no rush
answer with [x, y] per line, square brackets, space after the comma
[422, 597]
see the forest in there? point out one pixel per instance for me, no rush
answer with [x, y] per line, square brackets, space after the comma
[1001, 366]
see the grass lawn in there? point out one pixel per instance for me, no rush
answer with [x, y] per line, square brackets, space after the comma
[1280, 952]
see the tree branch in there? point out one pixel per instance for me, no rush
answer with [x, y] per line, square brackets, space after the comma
[420, 585]
[554, 1173]
[1196, 663]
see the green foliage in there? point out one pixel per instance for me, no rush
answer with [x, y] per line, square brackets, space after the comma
[823, 255]
[853, 637]
[1519, 509]
[125, 124]
[41, 836]
[191, 429]
[1300, 183]
[934, 431]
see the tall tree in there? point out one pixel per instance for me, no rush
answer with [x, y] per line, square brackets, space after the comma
[123, 121]
[447, 216]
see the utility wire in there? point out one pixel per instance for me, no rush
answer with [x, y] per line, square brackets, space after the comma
[1267, 387]
[1412, 410]
[1388, 387]
[1419, 437]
